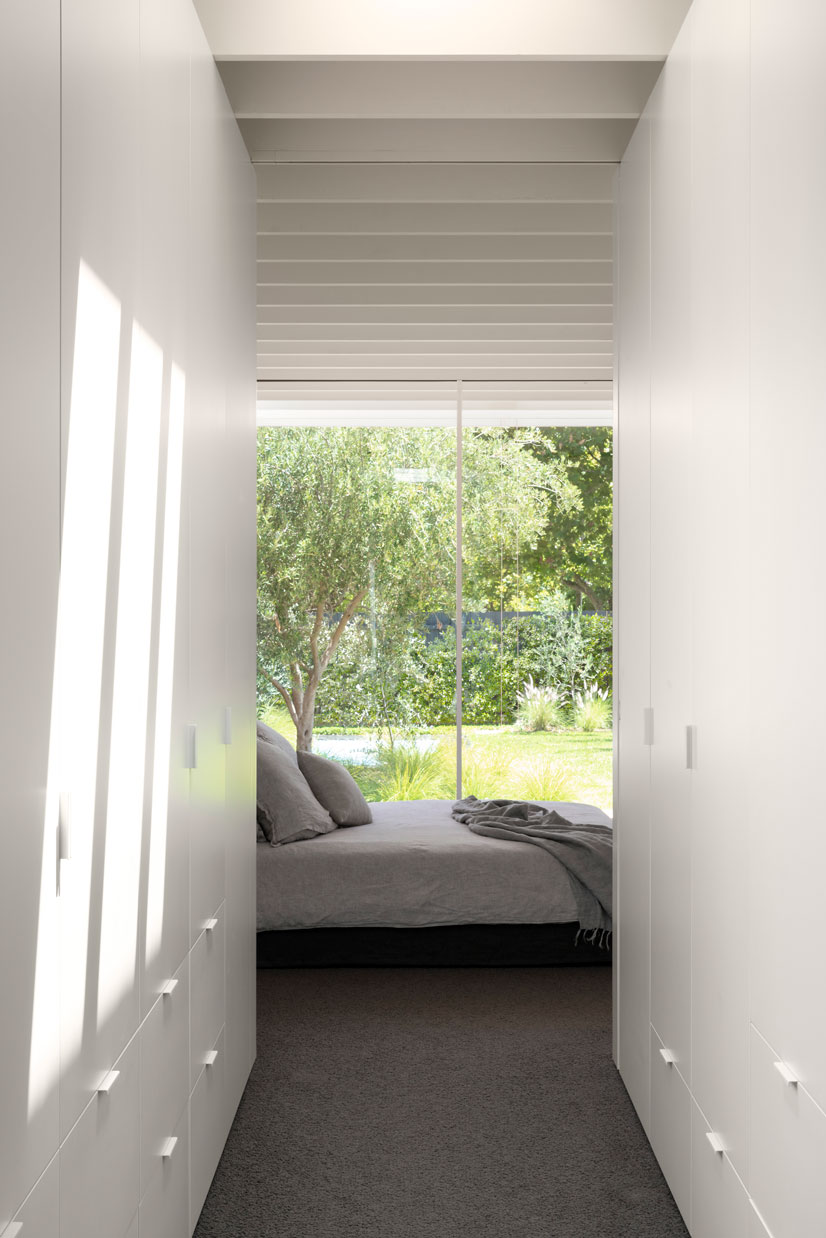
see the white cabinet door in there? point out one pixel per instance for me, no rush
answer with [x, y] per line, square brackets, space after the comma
[165, 1079]
[165, 207]
[787, 1148]
[206, 493]
[100, 1160]
[30, 519]
[672, 497]
[101, 728]
[632, 823]
[671, 1124]
[40, 1215]
[719, 1200]
[787, 448]
[719, 524]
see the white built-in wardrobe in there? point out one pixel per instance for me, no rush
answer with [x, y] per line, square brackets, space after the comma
[127, 636]
[721, 824]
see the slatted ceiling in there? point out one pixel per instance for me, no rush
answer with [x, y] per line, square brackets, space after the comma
[456, 273]
[424, 296]
[351, 347]
[433, 315]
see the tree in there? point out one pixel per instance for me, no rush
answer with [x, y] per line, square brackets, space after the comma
[364, 519]
[575, 551]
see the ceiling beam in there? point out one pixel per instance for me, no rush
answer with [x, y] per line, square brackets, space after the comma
[356, 335]
[403, 274]
[424, 219]
[441, 90]
[434, 249]
[431, 347]
[430, 315]
[436, 182]
[436, 141]
[536, 29]
[434, 294]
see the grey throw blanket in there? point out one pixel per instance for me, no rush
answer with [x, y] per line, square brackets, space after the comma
[585, 851]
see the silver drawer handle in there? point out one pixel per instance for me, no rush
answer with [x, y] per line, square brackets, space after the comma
[786, 1074]
[170, 987]
[211, 1057]
[169, 1147]
[107, 1082]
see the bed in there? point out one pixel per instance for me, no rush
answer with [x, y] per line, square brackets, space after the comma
[417, 887]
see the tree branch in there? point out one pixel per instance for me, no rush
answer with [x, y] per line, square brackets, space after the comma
[314, 635]
[279, 687]
[351, 609]
[576, 582]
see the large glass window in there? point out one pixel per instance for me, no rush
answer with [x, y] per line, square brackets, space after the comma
[361, 502]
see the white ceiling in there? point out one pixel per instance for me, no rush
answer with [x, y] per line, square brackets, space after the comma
[436, 181]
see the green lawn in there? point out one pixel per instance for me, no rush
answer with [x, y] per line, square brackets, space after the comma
[504, 762]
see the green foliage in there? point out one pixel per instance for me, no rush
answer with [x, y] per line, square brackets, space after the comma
[574, 551]
[592, 709]
[546, 779]
[411, 772]
[486, 772]
[538, 707]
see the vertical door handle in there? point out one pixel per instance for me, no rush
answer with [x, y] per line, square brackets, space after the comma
[64, 828]
[191, 746]
[691, 747]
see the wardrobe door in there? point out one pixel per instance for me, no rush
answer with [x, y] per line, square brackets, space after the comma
[672, 498]
[719, 524]
[206, 493]
[165, 206]
[106, 445]
[788, 504]
[30, 519]
[632, 824]
[40, 1215]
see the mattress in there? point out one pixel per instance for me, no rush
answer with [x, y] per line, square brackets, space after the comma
[414, 867]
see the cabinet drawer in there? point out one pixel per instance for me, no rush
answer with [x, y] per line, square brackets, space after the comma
[165, 1081]
[787, 1149]
[719, 1203]
[40, 1215]
[209, 1129]
[100, 1159]
[206, 993]
[671, 1125]
[165, 1205]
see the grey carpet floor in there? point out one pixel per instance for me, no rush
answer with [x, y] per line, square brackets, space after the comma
[437, 1103]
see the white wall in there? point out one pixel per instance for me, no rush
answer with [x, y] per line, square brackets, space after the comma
[128, 457]
[721, 574]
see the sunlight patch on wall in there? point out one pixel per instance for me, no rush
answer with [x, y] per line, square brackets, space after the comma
[130, 698]
[76, 693]
[166, 664]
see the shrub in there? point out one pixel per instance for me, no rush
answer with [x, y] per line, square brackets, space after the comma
[539, 708]
[545, 779]
[410, 772]
[592, 709]
[485, 773]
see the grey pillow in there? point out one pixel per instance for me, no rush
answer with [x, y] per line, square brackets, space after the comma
[335, 789]
[268, 736]
[287, 809]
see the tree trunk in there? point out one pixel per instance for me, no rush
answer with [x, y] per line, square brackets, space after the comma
[306, 722]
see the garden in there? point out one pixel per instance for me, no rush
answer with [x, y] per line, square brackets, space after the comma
[357, 638]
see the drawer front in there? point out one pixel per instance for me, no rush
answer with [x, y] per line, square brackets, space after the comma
[787, 1149]
[100, 1159]
[206, 993]
[719, 1202]
[671, 1125]
[165, 1082]
[165, 1205]
[209, 1129]
[40, 1215]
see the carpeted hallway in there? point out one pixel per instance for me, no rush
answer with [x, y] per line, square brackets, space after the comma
[437, 1103]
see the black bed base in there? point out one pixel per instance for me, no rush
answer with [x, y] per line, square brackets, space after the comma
[452, 945]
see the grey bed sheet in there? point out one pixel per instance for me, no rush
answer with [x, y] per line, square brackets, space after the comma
[414, 867]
